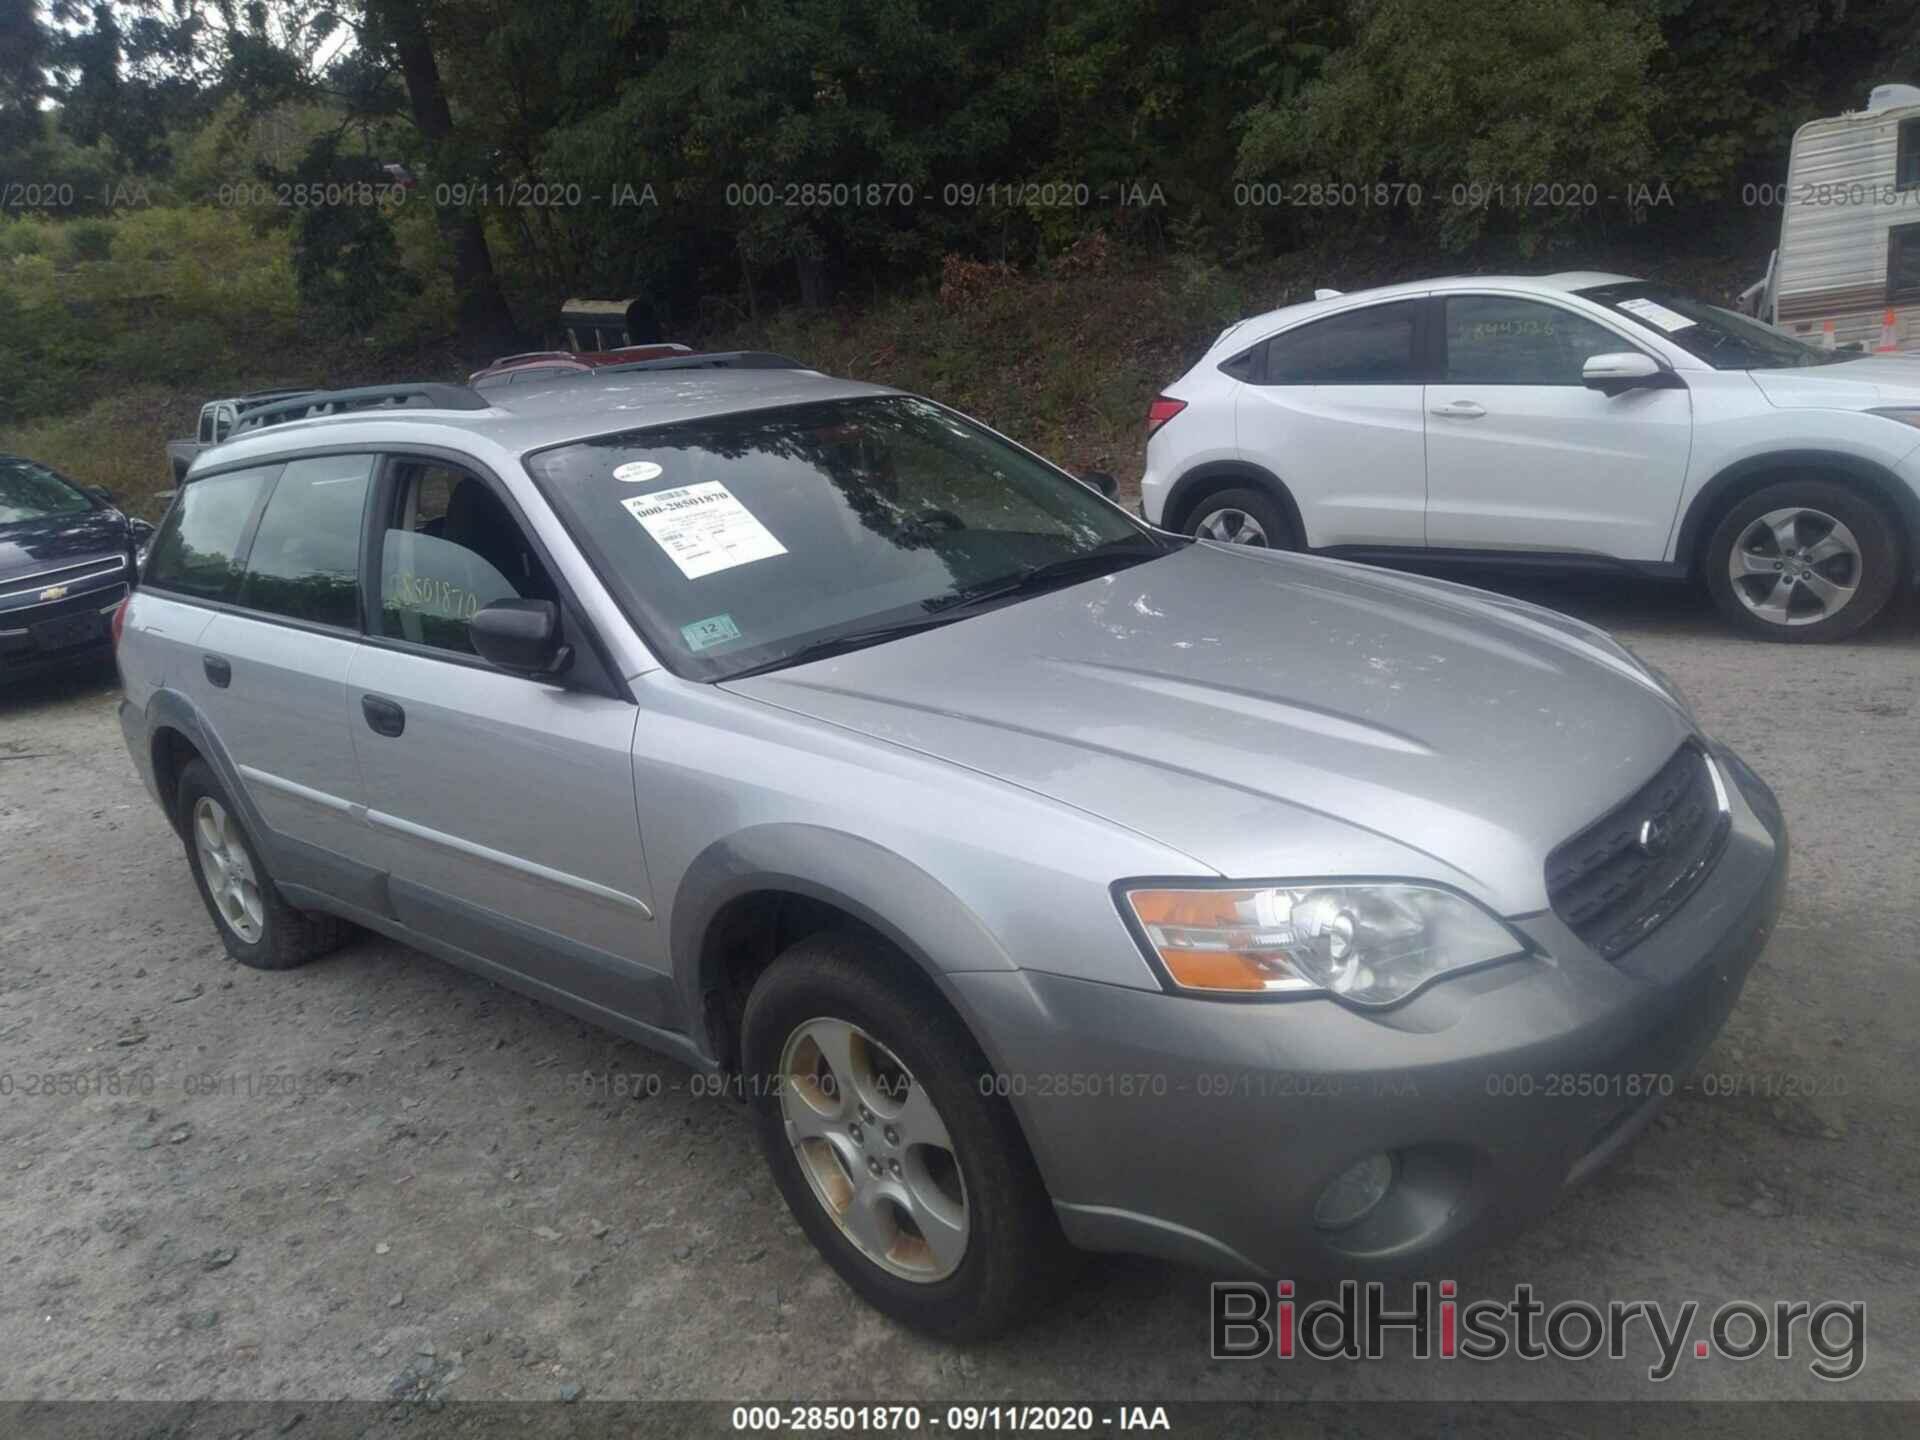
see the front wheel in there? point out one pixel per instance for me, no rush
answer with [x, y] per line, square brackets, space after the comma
[1804, 561]
[876, 1113]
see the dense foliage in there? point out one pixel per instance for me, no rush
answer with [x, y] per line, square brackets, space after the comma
[726, 157]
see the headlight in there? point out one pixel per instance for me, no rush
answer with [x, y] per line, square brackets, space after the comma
[1372, 942]
[1904, 416]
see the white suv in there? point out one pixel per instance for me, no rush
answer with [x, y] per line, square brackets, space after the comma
[1571, 420]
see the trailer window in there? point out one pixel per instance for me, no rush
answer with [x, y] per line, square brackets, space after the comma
[1906, 163]
[1903, 264]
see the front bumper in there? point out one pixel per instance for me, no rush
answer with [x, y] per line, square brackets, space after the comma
[1205, 1131]
[39, 634]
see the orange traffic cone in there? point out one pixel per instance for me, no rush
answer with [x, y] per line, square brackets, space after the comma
[1827, 340]
[1889, 335]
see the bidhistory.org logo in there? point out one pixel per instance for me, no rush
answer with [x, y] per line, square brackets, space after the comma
[1250, 1322]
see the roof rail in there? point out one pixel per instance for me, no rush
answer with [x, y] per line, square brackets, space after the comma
[430, 395]
[711, 360]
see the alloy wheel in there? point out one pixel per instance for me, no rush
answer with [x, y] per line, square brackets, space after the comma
[1795, 566]
[1234, 527]
[874, 1149]
[228, 871]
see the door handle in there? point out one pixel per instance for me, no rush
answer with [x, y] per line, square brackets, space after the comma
[1460, 410]
[219, 670]
[384, 716]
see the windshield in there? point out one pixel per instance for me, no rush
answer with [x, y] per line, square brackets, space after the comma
[1723, 338]
[33, 492]
[746, 540]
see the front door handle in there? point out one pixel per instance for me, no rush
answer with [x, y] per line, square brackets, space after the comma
[384, 716]
[1460, 410]
[219, 670]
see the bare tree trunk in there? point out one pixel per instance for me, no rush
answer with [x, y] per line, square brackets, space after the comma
[483, 312]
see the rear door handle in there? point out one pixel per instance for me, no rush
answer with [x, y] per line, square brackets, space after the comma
[384, 716]
[1460, 410]
[219, 670]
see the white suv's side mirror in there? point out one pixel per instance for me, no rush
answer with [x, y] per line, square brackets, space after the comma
[1622, 370]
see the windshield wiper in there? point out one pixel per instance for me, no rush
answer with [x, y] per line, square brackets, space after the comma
[1035, 578]
[829, 645]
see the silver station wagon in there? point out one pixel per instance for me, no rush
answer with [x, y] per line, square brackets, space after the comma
[1042, 880]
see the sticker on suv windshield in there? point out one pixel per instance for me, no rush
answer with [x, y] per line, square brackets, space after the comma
[703, 528]
[637, 472]
[1656, 314]
[705, 634]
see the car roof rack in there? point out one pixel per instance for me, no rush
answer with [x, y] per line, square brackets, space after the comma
[427, 394]
[710, 360]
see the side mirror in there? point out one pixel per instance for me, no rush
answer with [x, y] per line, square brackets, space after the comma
[100, 493]
[1103, 482]
[520, 635]
[1616, 373]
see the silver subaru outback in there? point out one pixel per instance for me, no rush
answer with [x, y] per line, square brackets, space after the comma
[1041, 880]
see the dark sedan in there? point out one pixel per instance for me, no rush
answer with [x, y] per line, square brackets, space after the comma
[68, 557]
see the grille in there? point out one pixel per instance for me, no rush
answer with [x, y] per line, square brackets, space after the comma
[1615, 881]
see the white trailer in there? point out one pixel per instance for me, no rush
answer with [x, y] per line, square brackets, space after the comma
[1849, 250]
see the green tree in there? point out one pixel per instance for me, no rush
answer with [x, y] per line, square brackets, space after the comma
[1483, 94]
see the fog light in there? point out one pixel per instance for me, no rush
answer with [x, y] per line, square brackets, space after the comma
[1353, 1193]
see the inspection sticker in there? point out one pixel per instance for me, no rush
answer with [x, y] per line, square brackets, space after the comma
[637, 472]
[1656, 314]
[703, 528]
[705, 634]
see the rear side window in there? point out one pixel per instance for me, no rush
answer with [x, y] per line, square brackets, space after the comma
[305, 559]
[196, 551]
[1497, 340]
[1373, 346]
[1906, 162]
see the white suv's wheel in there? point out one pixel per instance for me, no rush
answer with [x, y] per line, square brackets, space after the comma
[1804, 560]
[1242, 517]
[893, 1148]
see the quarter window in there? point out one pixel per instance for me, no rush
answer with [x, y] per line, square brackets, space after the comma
[196, 551]
[1371, 346]
[1906, 162]
[450, 547]
[1497, 340]
[305, 559]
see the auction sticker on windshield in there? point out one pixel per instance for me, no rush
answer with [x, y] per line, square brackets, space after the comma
[1655, 313]
[703, 528]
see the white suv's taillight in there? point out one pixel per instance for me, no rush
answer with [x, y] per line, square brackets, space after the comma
[1163, 409]
[120, 618]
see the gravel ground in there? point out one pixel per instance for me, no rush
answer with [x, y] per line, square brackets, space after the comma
[379, 1177]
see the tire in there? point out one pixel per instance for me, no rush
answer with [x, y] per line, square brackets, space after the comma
[1227, 515]
[1785, 592]
[1011, 1252]
[265, 933]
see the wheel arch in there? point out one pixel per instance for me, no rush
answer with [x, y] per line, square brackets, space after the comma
[750, 896]
[1733, 484]
[1216, 475]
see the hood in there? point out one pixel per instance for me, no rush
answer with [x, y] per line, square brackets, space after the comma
[29, 545]
[1845, 384]
[1275, 715]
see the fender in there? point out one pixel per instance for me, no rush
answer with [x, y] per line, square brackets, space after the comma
[171, 710]
[1206, 477]
[1866, 475]
[926, 921]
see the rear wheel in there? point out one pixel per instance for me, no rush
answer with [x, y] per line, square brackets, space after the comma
[875, 1112]
[1803, 561]
[1243, 517]
[258, 927]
